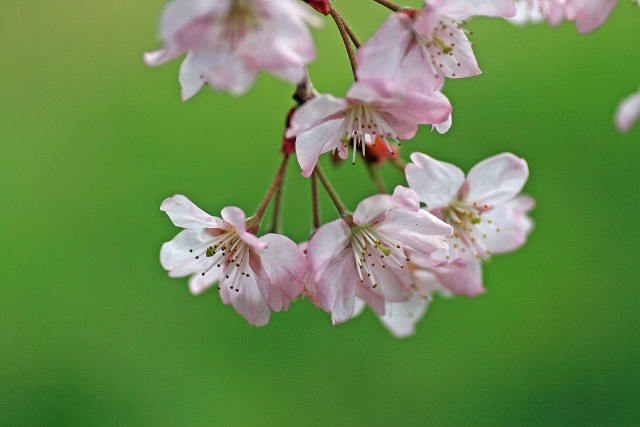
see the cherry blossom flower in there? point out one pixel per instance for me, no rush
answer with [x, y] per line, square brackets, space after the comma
[373, 107]
[628, 112]
[229, 41]
[255, 275]
[366, 255]
[588, 14]
[487, 215]
[420, 48]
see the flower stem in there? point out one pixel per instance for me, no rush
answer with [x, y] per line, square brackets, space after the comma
[389, 4]
[342, 210]
[314, 201]
[398, 163]
[276, 227]
[345, 38]
[374, 173]
[352, 35]
[275, 184]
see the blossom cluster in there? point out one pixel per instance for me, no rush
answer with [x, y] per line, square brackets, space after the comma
[394, 251]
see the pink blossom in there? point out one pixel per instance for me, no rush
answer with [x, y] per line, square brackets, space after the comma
[588, 14]
[255, 275]
[420, 48]
[373, 107]
[628, 112]
[229, 41]
[487, 215]
[366, 255]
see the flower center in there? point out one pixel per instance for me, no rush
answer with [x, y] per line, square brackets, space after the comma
[440, 46]
[469, 228]
[364, 122]
[374, 250]
[234, 25]
[226, 251]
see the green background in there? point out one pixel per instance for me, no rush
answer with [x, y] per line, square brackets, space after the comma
[93, 332]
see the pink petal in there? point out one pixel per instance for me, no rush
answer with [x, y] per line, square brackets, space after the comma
[463, 279]
[336, 285]
[628, 112]
[248, 302]
[383, 53]
[393, 281]
[589, 14]
[406, 197]
[314, 142]
[221, 69]
[417, 230]
[184, 25]
[437, 183]
[417, 108]
[497, 179]
[184, 213]
[236, 217]
[522, 204]
[326, 244]
[365, 297]
[281, 269]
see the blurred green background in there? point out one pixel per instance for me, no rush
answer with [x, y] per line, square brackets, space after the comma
[93, 332]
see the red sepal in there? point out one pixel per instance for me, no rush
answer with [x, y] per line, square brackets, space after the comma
[288, 144]
[321, 6]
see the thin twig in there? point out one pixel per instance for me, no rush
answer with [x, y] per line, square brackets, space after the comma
[277, 180]
[314, 201]
[389, 4]
[345, 38]
[332, 193]
[352, 35]
[398, 163]
[276, 227]
[374, 172]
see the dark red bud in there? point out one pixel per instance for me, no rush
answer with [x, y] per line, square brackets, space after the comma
[288, 144]
[321, 6]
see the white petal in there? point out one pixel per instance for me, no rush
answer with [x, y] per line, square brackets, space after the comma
[437, 183]
[176, 257]
[507, 231]
[497, 179]
[373, 208]
[312, 113]
[628, 112]
[184, 213]
[400, 318]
